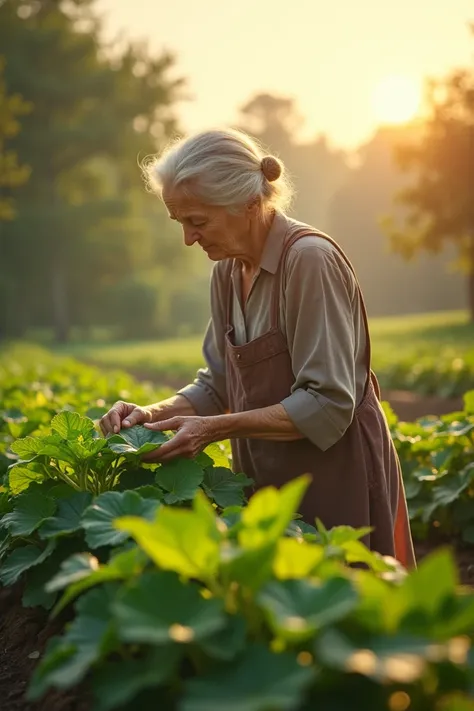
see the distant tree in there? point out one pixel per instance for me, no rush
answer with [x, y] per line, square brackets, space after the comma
[440, 203]
[12, 174]
[390, 285]
[96, 110]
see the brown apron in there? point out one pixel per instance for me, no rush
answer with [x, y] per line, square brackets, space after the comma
[356, 482]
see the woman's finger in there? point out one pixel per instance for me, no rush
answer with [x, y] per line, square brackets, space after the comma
[115, 421]
[138, 416]
[174, 423]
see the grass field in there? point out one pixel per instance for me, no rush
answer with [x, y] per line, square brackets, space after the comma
[432, 352]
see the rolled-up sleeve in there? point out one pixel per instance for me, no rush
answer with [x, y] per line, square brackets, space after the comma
[319, 323]
[208, 392]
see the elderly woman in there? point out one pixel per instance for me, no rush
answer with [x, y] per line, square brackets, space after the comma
[288, 376]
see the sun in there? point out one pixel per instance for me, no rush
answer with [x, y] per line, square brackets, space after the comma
[396, 100]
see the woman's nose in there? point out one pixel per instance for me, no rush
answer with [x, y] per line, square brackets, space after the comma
[190, 237]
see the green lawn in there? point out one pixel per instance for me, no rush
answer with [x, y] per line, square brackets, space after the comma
[427, 352]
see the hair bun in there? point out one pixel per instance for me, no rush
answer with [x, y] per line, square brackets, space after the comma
[271, 168]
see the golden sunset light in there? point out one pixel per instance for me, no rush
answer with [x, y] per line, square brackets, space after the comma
[396, 99]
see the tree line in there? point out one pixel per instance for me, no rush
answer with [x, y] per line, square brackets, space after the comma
[84, 247]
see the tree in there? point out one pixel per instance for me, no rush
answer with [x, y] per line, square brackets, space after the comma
[439, 204]
[12, 174]
[390, 286]
[96, 109]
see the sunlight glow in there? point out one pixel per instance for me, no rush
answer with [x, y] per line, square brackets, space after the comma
[396, 99]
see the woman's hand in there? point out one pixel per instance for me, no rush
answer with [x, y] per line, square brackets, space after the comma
[124, 414]
[127, 414]
[193, 434]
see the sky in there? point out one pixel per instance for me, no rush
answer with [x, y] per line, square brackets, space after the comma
[335, 58]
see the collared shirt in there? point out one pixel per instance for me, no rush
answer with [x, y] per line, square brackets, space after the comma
[322, 320]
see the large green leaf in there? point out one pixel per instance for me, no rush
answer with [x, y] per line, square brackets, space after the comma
[68, 516]
[136, 440]
[259, 682]
[179, 539]
[90, 635]
[228, 641]
[296, 559]
[214, 455]
[22, 559]
[31, 509]
[20, 477]
[71, 425]
[297, 609]
[225, 487]
[180, 478]
[116, 683]
[98, 519]
[27, 447]
[159, 609]
[269, 512]
[35, 591]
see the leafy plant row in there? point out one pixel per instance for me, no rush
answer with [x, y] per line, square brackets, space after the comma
[183, 597]
[429, 375]
[437, 458]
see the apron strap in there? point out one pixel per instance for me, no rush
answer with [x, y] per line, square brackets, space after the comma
[294, 234]
[229, 295]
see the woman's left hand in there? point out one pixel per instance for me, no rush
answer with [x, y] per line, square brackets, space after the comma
[193, 434]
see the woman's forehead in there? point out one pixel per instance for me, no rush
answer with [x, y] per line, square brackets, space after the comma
[177, 201]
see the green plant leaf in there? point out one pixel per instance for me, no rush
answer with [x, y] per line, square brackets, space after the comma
[116, 683]
[259, 682]
[179, 539]
[225, 487]
[98, 519]
[27, 447]
[297, 609]
[71, 425]
[296, 559]
[269, 513]
[35, 592]
[96, 412]
[228, 642]
[159, 609]
[136, 440]
[68, 516]
[400, 658]
[122, 566]
[68, 660]
[217, 455]
[21, 476]
[180, 478]
[72, 570]
[31, 509]
[22, 559]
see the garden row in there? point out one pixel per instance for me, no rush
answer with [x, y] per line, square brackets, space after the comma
[170, 591]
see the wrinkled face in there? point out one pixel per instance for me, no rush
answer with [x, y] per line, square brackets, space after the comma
[220, 234]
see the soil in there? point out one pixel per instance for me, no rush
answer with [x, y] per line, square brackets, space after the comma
[24, 632]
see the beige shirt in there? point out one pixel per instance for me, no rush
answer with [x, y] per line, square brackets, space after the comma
[321, 319]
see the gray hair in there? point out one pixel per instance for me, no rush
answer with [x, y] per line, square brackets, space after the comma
[221, 167]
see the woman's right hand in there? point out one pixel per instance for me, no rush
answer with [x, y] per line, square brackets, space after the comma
[122, 415]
